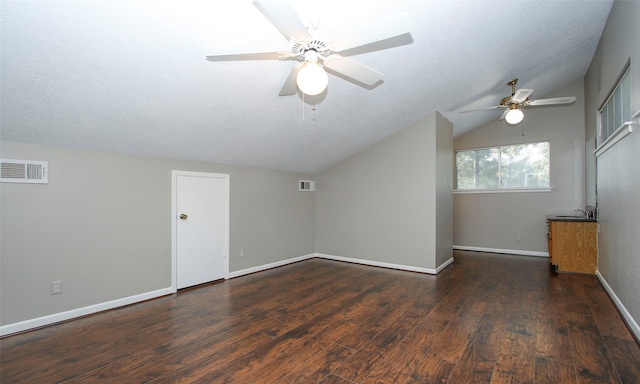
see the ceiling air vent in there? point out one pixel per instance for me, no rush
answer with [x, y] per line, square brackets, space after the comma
[306, 185]
[24, 171]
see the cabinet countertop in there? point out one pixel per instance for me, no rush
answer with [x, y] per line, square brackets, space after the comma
[571, 218]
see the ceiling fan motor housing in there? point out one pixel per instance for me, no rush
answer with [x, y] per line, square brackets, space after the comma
[298, 48]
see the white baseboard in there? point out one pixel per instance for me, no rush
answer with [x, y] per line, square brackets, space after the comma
[386, 265]
[498, 250]
[631, 322]
[281, 263]
[444, 265]
[79, 312]
[269, 266]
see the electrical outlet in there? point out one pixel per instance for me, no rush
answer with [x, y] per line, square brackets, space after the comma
[241, 253]
[519, 237]
[56, 287]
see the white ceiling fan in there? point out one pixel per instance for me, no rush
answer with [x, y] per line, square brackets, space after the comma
[520, 99]
[317, 53]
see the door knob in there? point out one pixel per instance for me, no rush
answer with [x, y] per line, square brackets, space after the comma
[183, 216]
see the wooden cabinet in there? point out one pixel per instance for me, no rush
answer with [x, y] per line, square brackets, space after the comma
[573, 246]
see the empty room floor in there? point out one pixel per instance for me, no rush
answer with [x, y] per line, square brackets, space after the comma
[487, 318]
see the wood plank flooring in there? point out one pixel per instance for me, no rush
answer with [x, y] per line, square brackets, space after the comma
[487, 318]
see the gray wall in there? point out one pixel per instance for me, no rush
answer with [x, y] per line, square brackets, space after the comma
[379, 204]
[103, 226]
[618, 173]
[494, 220]
[442, 224]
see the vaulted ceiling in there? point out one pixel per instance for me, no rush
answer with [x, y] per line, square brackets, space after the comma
[130, 76]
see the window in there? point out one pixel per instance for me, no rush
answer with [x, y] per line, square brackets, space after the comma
[522, 166]
[617, 109]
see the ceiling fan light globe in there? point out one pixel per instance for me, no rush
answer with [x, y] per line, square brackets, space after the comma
[312, 79]
[514, 116]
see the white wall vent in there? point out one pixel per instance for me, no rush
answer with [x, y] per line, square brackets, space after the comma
[306, 185]
[24, 171]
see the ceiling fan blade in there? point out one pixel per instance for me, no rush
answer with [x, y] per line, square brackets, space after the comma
[521, 95]
[370, 33]
[554, 101]
[482, 109]
[251, 56]
[353, 70]
[290, 86]
[282, 15]
[504, 114]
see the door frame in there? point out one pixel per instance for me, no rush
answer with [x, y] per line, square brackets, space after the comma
[174, 221]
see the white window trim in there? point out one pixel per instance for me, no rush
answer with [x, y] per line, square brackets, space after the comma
[502, 190]
[505, 190]
[620, 133]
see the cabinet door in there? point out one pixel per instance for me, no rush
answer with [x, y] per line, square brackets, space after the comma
[574, 246]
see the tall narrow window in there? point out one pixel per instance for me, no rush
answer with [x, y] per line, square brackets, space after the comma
[617, 109]
[522, 166]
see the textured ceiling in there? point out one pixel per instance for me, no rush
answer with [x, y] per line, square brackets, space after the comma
[131, 76]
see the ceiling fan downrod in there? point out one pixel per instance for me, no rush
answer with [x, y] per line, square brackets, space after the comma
[513, 83]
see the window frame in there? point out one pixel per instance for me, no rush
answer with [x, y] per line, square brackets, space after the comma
[457, 190]
[610, 133]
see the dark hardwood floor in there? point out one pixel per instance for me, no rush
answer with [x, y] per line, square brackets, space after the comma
[487, 318]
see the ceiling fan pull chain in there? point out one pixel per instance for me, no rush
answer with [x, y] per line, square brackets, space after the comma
[313, 114]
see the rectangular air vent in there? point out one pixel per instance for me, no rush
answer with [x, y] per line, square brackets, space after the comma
[24, 171]
[306, 185]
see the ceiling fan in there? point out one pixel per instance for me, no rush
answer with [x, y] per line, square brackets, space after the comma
[317, 53]
[520, 99]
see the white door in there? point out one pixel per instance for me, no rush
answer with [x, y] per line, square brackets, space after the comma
[201, 230]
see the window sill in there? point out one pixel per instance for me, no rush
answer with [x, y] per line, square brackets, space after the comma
[620, 133]
[506, 190]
